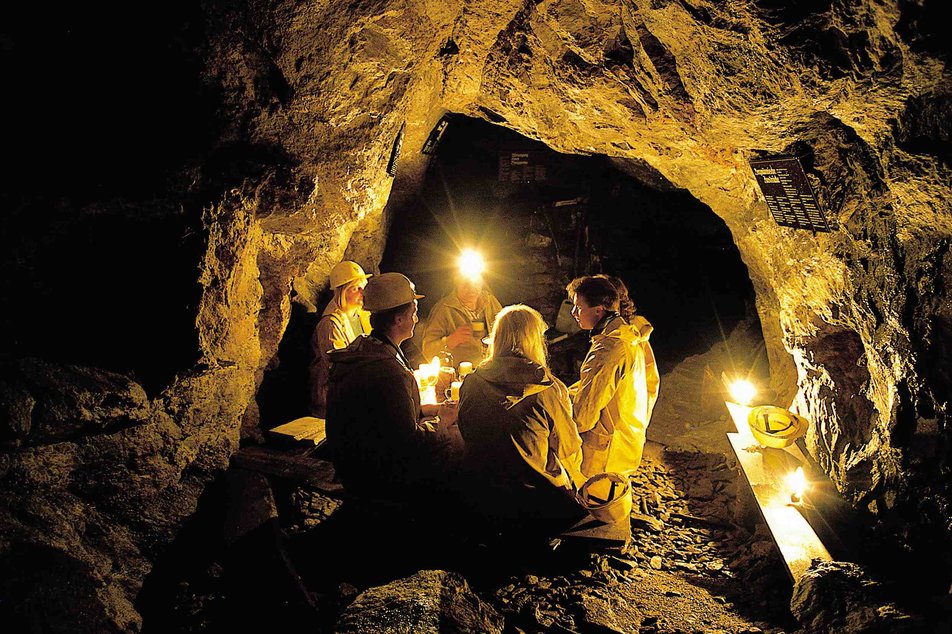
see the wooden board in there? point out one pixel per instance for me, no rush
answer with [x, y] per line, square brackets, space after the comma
[295, 464]
[308, 430]
[590, 528]
[765, 470]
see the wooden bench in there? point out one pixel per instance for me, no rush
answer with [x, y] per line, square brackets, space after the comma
[765, 470]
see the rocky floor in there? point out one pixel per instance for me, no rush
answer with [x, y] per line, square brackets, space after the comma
[699, 558]
[691, 565]
[688, 568]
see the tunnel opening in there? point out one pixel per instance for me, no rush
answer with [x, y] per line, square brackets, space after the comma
[541, 218]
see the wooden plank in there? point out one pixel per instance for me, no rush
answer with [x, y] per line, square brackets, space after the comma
[307, 430]
[616, 533]
[765, 469]
[293, 464]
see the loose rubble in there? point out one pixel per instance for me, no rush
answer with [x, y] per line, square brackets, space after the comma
[699, 560]
[688, 568]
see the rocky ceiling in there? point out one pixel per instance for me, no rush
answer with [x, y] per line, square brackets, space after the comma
[309, 100]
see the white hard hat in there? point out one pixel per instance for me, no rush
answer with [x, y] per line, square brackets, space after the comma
[607, 497]
[389, 290]
[345, 272]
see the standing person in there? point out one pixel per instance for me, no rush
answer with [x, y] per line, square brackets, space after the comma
[335, 329]
[460, 320]
[383, 443]
[522, 448]
[619, 380]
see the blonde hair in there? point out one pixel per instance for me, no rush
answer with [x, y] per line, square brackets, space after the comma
[518, 329]
[339, 291]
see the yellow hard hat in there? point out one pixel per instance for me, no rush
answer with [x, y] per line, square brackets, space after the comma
[775, 426]
[345, 272]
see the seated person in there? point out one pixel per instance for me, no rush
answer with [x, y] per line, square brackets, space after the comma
[380, 442]
[460, 321]
[335, 329]
[523, 453]
[618, 384]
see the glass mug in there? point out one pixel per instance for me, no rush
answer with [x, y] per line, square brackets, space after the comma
[452, 392]
[444, 379]
[479, 329]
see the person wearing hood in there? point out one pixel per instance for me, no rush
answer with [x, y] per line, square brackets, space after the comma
[383, 443]
[522, 450]
[335, 329]
[619, 381]
[460, 320]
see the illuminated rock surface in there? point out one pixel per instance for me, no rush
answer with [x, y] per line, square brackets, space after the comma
[308, 100]
[429, 601]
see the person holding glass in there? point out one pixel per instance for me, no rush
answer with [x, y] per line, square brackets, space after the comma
[459, 322]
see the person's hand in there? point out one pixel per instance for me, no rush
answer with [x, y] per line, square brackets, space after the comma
[448, 411]
[461, 335]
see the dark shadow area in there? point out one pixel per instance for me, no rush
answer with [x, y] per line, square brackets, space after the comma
[112, 291]
[284, 392]
[100, 252]
[104, 100]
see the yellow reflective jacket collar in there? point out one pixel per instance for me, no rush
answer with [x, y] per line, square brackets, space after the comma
[637, 331]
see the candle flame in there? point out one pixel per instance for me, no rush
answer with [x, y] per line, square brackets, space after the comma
[797, 482]
[426, 376]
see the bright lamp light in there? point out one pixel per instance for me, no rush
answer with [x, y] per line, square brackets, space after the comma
[743, 391]
[471, 264]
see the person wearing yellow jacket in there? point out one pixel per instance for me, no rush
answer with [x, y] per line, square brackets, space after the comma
[335, 330]
[523, 451]
[460, 320]
[619, 381]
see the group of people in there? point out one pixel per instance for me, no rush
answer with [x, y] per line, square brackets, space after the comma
[518, 444]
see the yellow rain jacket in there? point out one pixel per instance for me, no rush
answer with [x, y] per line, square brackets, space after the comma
[447, 315]
[615, 395]
[333, 332]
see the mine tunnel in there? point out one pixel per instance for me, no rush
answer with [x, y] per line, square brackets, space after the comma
[560, 217]
[769, 179]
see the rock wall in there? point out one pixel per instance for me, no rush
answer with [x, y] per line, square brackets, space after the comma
[310, 101]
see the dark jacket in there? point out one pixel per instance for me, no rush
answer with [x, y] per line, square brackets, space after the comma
[522, 448]
[379, 446]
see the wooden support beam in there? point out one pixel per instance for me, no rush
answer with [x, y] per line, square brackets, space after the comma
[295, 464]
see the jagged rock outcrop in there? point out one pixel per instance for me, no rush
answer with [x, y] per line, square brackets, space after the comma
[837, 596]
[311, 100]
[853, 318]
[429, 601]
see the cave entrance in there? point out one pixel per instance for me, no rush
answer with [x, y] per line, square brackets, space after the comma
[542, 217]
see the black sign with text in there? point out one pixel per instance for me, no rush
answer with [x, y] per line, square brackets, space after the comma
[521, 166]
[788, 194]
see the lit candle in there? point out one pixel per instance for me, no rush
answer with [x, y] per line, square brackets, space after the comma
[426, 378]
[465, 367]
[797, 481]
[428, 395]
